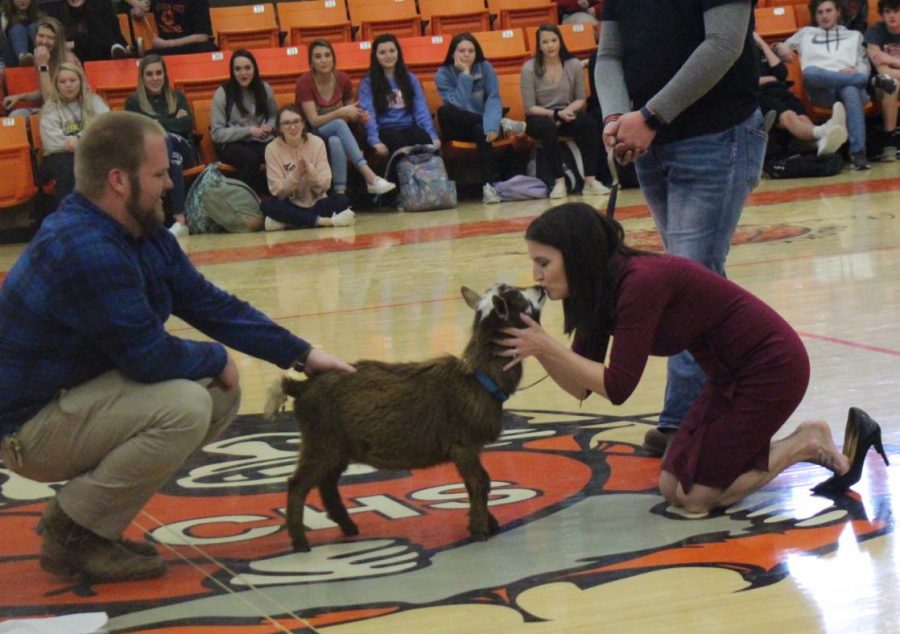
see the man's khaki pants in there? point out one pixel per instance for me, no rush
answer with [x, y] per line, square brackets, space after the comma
[117, 442]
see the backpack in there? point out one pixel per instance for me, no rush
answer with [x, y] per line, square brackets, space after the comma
[805, 166]
[216, 204]
[521, 187]
[422, 182]
[573, 168]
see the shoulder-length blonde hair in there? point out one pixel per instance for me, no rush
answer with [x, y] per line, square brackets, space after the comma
[58, 53]
[143, 96]
[85, 97]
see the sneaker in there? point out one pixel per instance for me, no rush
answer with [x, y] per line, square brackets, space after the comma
[179, 230]
[858, 161]
[657, 440]
[832, 139]
[511, 127]
[117, 51]
[344, 218]
[889, 154]
[558, 191]
[273, 225]
[595, 188]
[380, 186]
[140, 47]
[26, 59]
[838, 116]
[885, 83]
[489, 195]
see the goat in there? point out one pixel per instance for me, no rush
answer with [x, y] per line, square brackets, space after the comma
[408, 415]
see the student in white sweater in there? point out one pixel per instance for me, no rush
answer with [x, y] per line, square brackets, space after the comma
[64, 117]
[299, 177]
[835, 68]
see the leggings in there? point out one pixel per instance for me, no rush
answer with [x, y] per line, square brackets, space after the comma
[585, 131]
[248, 157]
[461, 125]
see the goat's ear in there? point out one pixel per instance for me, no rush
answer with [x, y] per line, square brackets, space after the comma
[472, 298]
[501, 308]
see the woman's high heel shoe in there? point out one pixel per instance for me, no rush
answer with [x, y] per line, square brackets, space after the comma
[861, 433]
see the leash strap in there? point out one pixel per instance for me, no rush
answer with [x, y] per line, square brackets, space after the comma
[490, 386]
[614, 186]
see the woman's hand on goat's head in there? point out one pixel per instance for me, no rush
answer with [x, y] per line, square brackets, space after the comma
[523, 342]
[321, 361]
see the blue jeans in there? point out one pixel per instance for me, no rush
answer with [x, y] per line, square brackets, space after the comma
[696, 189]
[20, 39]
[341, 146]
[824, 87]
[181, 156]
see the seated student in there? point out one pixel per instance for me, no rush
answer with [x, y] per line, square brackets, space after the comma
[18, 21]
[93, 28]
[64, 117]
[155, 98]
[835, 68]
[392, 96]
[579, 11]
[49, 52]
[553, 94]
[472, 111]
[243, 113]
[299, 178]
[775, 95]
[883, 47]
[182, 26]
[325, 95]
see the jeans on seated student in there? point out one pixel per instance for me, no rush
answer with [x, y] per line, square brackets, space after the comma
[18, 42]
[342, 146]
[825, 87]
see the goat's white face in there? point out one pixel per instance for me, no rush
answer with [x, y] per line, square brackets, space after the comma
[497, 299]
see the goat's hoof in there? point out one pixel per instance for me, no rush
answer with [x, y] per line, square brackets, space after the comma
[480, 536]
[300, 546]
[493, 525]
[349, 530]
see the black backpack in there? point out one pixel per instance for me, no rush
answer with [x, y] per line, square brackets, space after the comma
[805, 166]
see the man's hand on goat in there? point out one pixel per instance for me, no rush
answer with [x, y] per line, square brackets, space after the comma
[320, 361]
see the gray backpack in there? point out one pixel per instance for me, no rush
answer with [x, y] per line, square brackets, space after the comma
[217, 204]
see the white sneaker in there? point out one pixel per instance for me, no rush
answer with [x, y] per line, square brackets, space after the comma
[512, 127]
[273, 225]
[344, 218]
[559, 190]
[831, 141]
[595, 188]
[838, 116]
[380, 186]
[888, 154]
[489, 195]
[117, 51]
[179, 230]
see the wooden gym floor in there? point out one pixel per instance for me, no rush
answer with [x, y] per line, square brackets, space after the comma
[587, 544]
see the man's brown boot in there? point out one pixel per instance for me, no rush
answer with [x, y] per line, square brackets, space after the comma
[68, 549]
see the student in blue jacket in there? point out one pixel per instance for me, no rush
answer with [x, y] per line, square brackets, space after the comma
[394, 101]
[472, 111]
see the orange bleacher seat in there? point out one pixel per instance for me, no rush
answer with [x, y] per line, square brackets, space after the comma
[202, 119]
[245, 26]
[281, 67]
[521, 13]
[315, 19]
[374, 17]
[505, 50]
[775, 23]
[353, 58]
[143, 27]
[580, 39]
[113, 79]
[455, 17]
[20, 80]
[424, 54]
[17, 185]
[198, 75]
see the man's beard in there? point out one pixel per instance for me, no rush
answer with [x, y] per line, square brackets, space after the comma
[148, 219]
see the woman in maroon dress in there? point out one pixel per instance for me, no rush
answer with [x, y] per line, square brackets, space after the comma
[660, 305]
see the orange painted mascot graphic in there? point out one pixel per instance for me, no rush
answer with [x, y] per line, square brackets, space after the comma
[575, 496]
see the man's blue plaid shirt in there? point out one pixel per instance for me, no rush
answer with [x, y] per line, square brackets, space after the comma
[86, 297]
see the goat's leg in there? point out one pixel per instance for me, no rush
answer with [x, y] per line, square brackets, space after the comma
[311, 470]
[478, 484]
[334, 505]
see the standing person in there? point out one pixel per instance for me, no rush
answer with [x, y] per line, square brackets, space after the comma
[660, 304]
[835, 69]
[18, 21]
[155, 98]
[472, 111]
[119, 403]
[243, 113]
[93, 28]
[397, 113]
[883, 46]
[690, 72]
[325, 96]
[183, 26]
[552, 84]
[299, 178]
[64, 119]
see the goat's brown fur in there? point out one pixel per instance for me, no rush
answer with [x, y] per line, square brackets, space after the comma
[407, 416]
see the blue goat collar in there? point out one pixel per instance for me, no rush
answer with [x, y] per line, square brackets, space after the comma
[490, 386]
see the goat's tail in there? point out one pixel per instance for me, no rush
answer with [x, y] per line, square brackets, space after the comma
[289, 385]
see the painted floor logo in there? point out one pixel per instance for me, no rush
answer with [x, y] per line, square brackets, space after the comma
[575, 497]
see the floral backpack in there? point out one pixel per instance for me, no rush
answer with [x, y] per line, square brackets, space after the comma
[422, 181]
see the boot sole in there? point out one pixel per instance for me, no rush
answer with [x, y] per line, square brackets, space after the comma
[67, 571]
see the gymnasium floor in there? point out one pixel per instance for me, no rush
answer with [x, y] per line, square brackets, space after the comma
[586, 543]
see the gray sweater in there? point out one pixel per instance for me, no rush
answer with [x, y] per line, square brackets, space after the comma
[60, 121]
[538, 91]
[238, 125]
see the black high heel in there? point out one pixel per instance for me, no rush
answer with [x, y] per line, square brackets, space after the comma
[861, 433]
